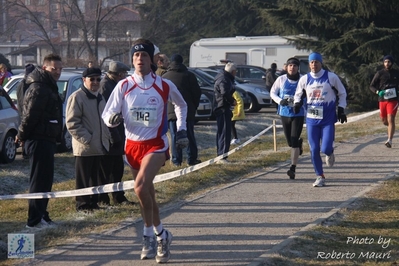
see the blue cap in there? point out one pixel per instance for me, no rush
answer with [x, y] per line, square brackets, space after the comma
[316, 56]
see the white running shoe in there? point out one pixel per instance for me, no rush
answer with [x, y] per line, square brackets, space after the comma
[163, 251]
[320, 182]
[149, 245]
[233, 141]
[330, 160]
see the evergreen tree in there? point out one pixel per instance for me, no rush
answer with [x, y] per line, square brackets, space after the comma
[174, 25]
[352, 35]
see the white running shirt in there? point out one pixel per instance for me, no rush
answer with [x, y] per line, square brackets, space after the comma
[143, 104]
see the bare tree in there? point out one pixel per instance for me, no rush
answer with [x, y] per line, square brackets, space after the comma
[76, 28]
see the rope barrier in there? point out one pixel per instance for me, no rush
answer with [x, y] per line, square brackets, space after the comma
[126, 185]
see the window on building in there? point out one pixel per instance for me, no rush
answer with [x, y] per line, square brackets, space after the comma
[27, 2]
[237, 58]
[107, 3]
[272, 51]
[54, 7]
[54, 25]
[41, 2]
[81, 4]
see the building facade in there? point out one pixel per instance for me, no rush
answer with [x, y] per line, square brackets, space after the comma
[78, 30]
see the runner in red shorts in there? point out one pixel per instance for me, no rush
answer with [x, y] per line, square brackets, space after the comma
[386, 84]
[140, 101]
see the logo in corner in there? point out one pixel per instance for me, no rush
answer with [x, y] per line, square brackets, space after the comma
[152, 101]
[21, 246]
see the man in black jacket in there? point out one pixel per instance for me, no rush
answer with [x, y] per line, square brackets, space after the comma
[40, 128]
[21, 89]
[112, 164]
[223, 90]
[271, 76]
[385, 84]
[187, 84]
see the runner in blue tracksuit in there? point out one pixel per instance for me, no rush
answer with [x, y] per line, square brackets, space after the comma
[322, 89]
[282, 92]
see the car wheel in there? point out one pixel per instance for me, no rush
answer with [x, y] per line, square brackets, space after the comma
[253, 106]
[9, 149]
[66, 141]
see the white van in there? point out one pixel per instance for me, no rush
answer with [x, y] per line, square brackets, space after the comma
[242, 50]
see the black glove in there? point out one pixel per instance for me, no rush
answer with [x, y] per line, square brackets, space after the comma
[284, 102]
[341, 115]
[181, 139]
[297, 108]
[116, 119]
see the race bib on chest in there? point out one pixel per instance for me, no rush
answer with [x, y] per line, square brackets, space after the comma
[315, 112]
[390, 93]
[144, 116]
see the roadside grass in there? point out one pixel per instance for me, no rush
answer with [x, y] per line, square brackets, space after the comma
[249, 160]
[367, 233]
[74, 225]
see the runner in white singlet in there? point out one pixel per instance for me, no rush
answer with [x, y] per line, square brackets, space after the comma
[141, 100]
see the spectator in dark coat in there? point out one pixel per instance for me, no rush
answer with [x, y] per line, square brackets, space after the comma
[40, 128]
[186, 82]
[112, 164]
[271, 76]
[21, 89]
[223, 90]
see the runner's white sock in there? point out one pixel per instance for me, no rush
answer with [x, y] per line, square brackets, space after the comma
[159, 232]
[148, 231]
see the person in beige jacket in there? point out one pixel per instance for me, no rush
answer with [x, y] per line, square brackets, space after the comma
[90, 136]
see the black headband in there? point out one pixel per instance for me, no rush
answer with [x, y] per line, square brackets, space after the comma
[143, 47]
[293, 61]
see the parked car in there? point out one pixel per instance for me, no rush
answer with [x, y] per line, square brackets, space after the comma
[9, 122]
[260, 97]
[67, 84]
[249, 73]
[206, 82]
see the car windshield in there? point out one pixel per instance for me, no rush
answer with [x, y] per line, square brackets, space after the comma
[209, 78]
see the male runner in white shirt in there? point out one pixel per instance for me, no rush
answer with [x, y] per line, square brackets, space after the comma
[140, 102]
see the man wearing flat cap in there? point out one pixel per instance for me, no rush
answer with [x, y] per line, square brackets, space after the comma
[385, 85]
[90, 136]
[112, 165]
